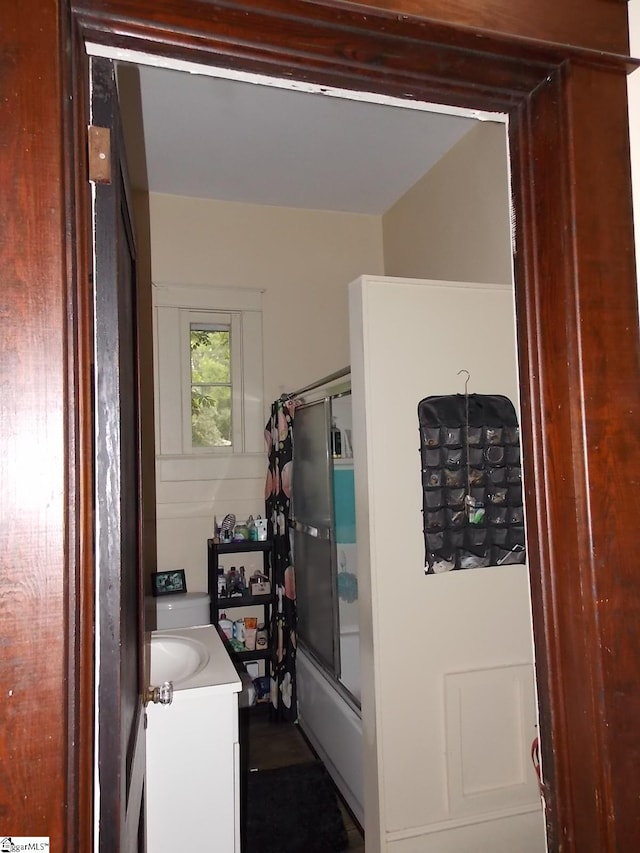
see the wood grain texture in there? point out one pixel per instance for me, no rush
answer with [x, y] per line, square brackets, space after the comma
[118, 504]
[343, 49]
[579, 367]
[33, 424]
[595, 24]
[81, 590]
[595, 27]
[606, 400]
[579, 358]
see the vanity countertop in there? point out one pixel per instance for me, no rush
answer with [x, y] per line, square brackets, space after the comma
[218, 675]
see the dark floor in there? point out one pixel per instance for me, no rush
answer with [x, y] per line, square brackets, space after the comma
[282, 744]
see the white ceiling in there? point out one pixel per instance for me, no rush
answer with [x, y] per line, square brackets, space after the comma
[209, 137]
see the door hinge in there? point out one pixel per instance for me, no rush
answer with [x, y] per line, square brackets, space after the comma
[99, 142]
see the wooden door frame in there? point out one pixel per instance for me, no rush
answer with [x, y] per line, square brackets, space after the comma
[577, 323]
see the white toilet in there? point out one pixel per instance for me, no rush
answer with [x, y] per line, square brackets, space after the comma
[179, 611]
[187, 611]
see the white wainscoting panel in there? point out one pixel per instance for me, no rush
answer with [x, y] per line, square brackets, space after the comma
[518, 831]
[490, 724]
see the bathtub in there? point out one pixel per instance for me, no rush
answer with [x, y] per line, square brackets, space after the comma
[350, 659]
[331, 719]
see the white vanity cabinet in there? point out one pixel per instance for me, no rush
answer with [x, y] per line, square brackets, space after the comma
[193, 759]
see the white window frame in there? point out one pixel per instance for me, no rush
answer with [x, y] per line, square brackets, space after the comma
[175, 308]
[215, 319]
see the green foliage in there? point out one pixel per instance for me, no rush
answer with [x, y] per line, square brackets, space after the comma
[210, 388]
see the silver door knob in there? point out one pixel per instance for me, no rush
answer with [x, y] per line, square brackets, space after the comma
[162, 695]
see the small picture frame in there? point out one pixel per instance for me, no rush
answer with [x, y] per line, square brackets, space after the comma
[168, 583]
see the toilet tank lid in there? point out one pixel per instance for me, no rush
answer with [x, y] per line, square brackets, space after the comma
[182, 601]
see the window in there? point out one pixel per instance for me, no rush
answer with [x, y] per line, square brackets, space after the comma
[208, 357]
[212, 384]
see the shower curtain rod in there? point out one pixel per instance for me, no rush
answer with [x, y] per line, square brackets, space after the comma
[332, 377]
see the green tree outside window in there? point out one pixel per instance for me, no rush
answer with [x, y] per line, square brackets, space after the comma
[211, 390]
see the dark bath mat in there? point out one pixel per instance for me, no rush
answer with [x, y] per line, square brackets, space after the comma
[293, 810]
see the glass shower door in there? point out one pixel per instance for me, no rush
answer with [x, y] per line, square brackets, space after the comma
[313, 535]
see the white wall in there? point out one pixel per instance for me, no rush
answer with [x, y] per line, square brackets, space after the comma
[634, 120]
[304, 261]
[454, 223]
[447, 660]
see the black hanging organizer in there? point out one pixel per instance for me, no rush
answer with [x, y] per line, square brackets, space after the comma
[471, 482]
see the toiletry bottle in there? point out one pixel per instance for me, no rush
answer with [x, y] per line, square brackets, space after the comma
[262, 637]
[261, 529]
[222, 581]
[336, 440]
[226, 625]
[231, 580]
[253, 530]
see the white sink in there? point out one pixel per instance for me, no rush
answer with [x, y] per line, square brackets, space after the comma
[176, 658]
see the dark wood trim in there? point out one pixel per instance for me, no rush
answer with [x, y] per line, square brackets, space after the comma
[545, 94]
[116, 463]
[600, 30]
[37, 580]
[347, 54]
[578, 341]
[579, 366]
[80, 479]
[310, 31]
[348, 49]
[597, 26]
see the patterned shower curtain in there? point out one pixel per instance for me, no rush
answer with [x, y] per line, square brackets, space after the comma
[278, 436]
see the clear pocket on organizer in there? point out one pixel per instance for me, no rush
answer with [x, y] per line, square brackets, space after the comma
[453, 477]
[454, 497]
[504, 557]
[497, 496]
[435, 520]
[493, 435]
[475, 537]
[455, 539]
[432, 477]
[511, 435]
[497, 476]
[474, 508]
[435, 541]
[474, 436]
[476, 457]
[515, 536]
[512, 455]
[440, 565]
[516, 515]
[514, 496]
[432, 458]
[477, 477]
[514, 474]
[472, 560]
[500, 536]
[434, 498]
[494, 454]
[451, 436]
[451, 457]
[431, 436]
[497, 515]
[455, 517]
